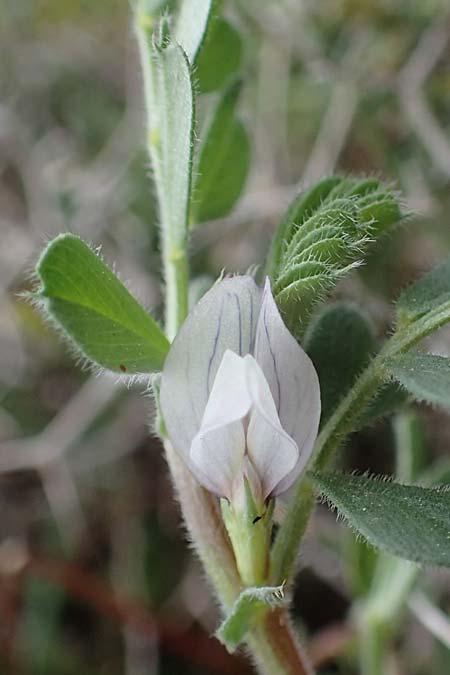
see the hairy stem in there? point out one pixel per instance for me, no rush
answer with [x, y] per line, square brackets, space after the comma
[174, 223]
[345, 418]
[285, 548]
[176, 278]
[275, 649]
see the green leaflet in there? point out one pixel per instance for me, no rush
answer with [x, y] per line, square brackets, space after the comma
[386, 581]
[210, 42]
[324, 235]
[393, 578]
[425, 295]
[96, 311]
[390, 397]
[250, 606]
[302, 206]
[340, 342]
[220, 58]
[425, 376]
[407, 521]
[224, 162]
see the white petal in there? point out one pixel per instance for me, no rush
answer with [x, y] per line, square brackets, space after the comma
[216, 458]
[217, 451]
[272, 452]
[225, 318]
[292, 380]
[230, 397]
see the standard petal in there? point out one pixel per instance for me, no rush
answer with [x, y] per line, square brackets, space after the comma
[218, 449]
[225, 318]
[292, 380]
[272, 452]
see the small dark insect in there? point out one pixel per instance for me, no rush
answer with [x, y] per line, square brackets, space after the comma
[123, 368]
[255, 520]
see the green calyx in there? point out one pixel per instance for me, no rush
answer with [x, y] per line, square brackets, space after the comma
[250, 529]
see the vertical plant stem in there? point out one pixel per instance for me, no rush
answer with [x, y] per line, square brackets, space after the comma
[173, 220]
[199, 508]
[176, 277]
[409, 446]
[275, 649]
[371, 652]
[272, 642]
[285, 548]
[344, 419]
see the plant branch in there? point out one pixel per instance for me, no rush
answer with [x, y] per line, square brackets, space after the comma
[166, 162]
[343, 421]
[285, 548]
[371, 650]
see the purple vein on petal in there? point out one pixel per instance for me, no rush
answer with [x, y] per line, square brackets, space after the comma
[213, 353]
[277, 378]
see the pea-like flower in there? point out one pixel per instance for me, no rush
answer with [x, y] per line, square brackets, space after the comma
[240, 398]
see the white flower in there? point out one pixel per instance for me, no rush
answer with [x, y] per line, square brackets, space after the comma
[239, 396]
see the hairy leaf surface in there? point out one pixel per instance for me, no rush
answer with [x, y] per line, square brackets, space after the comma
[96, 311]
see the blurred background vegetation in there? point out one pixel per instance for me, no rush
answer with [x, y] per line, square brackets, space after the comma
[95, 575]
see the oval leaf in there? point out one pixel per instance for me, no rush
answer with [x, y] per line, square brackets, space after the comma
[325, 235]
[340, 343]
[220, 57]
[389, 398]
[425, 376]
[304, 204]
[224, 162]
[404, 520]
[96, 311]
[426, 294]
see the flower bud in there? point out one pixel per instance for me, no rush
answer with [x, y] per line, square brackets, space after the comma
[241, 403]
